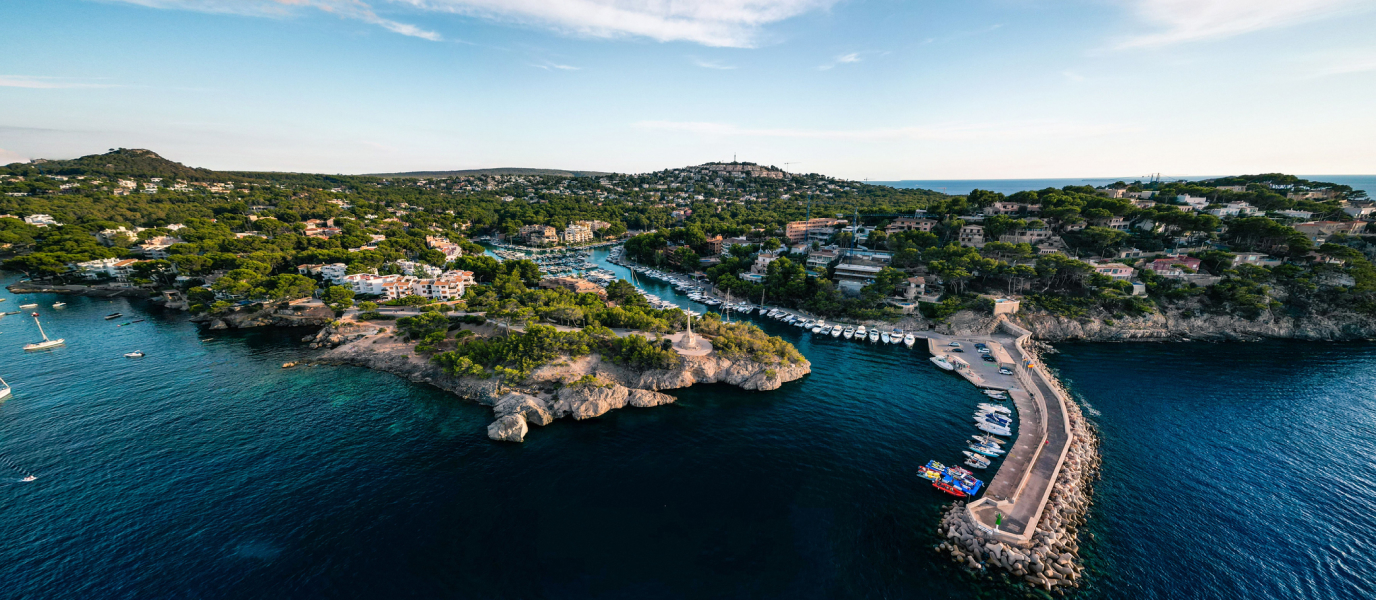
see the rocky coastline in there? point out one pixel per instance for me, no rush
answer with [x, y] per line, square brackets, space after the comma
[1050, 560]
[273, 315]
[579, 388]
[1341, 325]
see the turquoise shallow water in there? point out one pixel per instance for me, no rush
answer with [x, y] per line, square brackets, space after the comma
[206, 471]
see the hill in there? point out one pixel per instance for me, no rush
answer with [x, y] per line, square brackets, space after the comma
[502, 171]
[124, 162]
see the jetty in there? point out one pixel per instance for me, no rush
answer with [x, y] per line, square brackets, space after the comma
[1013, 503]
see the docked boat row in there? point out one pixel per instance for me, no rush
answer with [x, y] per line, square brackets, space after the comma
[955, 481]
[700, 292]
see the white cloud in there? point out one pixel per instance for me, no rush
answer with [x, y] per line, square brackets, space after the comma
[7, 157]
[1192, 20]
[351, 9]
[947, 132]
[853, 57]
[729, 23]
[1348, 65]
[550, 66]
[711, 64]
[47, 83]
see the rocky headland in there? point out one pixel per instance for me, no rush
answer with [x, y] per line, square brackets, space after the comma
[577, 387]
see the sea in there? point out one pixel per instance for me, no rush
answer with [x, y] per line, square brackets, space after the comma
[1366, 183]
[206, 470]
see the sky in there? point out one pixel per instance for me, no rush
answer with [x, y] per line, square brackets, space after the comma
[858, 89]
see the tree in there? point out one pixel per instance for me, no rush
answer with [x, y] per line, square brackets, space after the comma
[338, 297]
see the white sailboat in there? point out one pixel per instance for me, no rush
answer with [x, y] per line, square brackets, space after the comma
[46, 343]
[5, 391]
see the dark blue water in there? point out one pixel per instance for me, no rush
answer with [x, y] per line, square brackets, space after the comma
[1366, 183]
[206, 471]
[1231, 471]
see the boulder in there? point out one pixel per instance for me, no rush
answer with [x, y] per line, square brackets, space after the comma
[511, 428]
[648, 398]
[531, 408]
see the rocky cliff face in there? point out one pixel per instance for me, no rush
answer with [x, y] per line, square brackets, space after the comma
[1174, 326]
[274, 315]
[551, 392]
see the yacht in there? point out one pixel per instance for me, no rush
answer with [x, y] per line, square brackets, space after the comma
[909, 340]
[836, 331]
[941, 361]
[996, 408]
[134, 354]
[896, 337]
[46, 343]
[874, 335]
[849, 332]
[884, 336]
[816, 329]
[860, 332]
[994, 429]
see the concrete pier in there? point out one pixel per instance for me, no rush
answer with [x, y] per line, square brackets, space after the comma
[1022, 485]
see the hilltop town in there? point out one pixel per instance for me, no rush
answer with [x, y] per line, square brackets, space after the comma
[1255, 247]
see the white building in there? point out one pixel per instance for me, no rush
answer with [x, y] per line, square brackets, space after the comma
[574, 234]
[41, 220]
[1193, 202]
[334, 273]
[156, 248]
[113, 268]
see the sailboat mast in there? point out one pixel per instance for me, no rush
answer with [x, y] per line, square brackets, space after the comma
[40, 327]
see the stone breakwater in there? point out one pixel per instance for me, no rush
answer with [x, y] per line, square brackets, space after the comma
[552, 392]
[1050, 560]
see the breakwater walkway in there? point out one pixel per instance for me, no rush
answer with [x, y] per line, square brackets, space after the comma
[1017, 496]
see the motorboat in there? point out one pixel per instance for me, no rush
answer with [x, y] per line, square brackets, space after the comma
[113, 315]
[909, 340]
[816, 329]
[59, 304]
[941, 361]
[836, 331]
[46, 343]
[5, 391]
[884, 336]
[874, 335]
[994, 429]
[988, 440]
[31, 305]
[974, 455]
[985, 450]
[134, 354]
[849, 332]
[977, 464]
[860, 332]
[996, 408]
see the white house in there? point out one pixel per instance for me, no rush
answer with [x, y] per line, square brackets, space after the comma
[335, 273]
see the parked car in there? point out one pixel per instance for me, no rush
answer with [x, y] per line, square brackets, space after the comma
[987, 358]
[954, 344]
[1005, 371]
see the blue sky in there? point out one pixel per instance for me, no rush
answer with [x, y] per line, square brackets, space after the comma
[878, 89]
